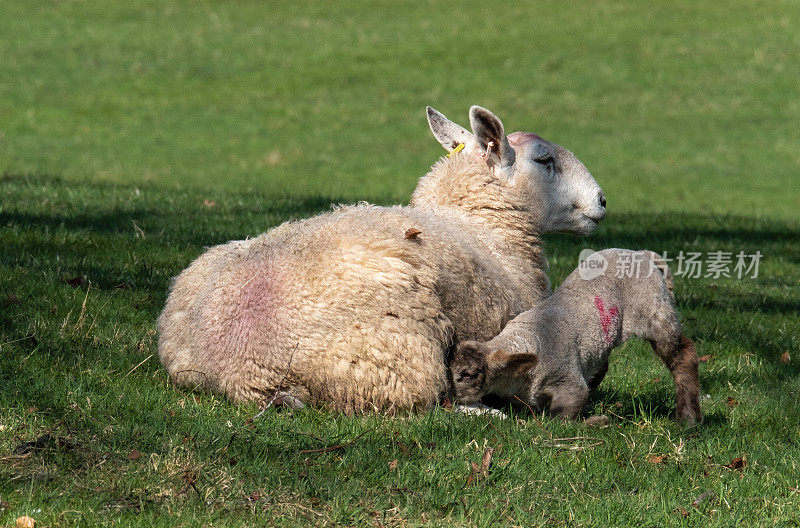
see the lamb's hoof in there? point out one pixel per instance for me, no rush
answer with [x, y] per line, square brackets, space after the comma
[690, 419]
[597, 420]
[478, 409]
[284, 399]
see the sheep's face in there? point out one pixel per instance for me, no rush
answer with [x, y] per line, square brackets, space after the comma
[478, 370]
[558, 189]
[557, 184]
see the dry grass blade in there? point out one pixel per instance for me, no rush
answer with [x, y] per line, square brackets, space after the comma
[558, 443]
[703, 497]
[486, 461]
[480, 470]
[276, 394]
[334, 448]
[142, 362]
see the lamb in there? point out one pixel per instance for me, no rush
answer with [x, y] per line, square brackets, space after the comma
[359, 307]
[555, 354]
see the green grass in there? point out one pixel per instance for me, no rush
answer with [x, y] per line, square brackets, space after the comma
[133, 136]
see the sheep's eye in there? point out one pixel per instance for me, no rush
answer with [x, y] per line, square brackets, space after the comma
[548, 162]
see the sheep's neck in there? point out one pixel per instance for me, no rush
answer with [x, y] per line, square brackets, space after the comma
[468, 185]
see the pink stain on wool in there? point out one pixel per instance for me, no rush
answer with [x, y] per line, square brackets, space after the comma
[243, 316]
[606, 317]
[261, 301]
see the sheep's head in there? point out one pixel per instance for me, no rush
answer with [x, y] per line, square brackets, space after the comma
[555, 186]
[478, 370]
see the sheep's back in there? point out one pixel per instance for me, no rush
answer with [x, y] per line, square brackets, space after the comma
[347, 295]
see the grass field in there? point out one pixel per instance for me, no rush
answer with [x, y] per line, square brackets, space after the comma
[134, 135]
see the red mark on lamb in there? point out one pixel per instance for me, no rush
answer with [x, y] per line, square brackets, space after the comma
[606, 317]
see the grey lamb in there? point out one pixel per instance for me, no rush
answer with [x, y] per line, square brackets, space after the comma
[553, 355]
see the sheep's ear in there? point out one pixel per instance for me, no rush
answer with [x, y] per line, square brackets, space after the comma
[449, 134]
[491, 138]
[502, 362]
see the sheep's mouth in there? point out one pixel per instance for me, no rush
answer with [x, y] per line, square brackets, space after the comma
[580, 224]
[590, 224]
[594, 219]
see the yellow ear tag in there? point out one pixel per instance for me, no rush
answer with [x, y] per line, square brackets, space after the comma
[456, 150]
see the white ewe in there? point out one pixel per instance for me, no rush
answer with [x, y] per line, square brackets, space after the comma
[358, 307]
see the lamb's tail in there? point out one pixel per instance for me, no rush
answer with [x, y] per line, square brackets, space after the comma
[662, 266]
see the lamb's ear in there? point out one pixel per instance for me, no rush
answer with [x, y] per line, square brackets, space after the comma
[491, 138]
[449, 134]
[500, 361]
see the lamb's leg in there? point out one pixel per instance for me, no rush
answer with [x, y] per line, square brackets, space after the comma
[288, 400]
[597, 420]
[681, 360]
[567, 400]
[598, 378]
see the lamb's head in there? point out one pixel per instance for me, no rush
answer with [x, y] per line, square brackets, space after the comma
[547, 178]
[478, 370]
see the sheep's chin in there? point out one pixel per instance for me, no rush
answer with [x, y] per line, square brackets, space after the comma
[581, 226]
[589, 225]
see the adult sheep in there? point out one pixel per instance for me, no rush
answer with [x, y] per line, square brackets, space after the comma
[358, 307]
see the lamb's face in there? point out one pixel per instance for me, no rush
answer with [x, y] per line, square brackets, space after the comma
[558, 184]
[468, 368]
[478, 370]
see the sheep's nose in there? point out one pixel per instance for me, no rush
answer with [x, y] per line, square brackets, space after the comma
[601, 207]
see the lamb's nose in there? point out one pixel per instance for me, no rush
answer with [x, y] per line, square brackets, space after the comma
[602, 199]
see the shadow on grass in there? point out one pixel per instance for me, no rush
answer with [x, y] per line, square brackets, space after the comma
[662, 231]
[178, 219]
[130, 242]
